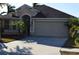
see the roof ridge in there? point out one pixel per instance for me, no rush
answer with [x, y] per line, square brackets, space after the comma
[23, 5]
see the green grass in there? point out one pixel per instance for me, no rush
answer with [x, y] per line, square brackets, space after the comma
[6, 40]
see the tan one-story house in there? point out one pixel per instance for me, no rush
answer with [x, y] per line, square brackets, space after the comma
[42, 20]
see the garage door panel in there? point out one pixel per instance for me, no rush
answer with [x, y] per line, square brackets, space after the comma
[50, 28]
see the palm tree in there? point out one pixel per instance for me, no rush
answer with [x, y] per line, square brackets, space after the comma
[10, 8]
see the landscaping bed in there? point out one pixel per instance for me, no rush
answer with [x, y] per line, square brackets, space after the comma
[10, 38]
[6, 40]
[68, 44]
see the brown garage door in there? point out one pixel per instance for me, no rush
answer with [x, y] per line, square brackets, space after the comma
[50, 28]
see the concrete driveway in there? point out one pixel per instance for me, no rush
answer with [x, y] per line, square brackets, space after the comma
[34, 46]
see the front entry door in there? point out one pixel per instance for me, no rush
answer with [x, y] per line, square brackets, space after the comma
[26, 19]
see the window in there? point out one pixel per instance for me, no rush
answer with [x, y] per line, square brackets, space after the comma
[6, 24]
[10, 24]
[13, 25]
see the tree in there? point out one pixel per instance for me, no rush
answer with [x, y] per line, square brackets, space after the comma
[73, 26]
[1, 5]
[10, 8]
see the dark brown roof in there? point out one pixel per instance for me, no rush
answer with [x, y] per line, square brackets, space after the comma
[50, 12]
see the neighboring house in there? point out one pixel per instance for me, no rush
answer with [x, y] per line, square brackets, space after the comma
[43, 20]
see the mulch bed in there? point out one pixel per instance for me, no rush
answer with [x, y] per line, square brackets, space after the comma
[10, 38]
[17, 37]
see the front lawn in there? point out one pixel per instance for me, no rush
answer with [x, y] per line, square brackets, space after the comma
[6, 40]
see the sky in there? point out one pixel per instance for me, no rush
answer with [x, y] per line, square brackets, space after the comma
[70, 8]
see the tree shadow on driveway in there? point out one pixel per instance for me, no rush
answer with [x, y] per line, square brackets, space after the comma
[50, 41]
[17, 51]
[21, 51]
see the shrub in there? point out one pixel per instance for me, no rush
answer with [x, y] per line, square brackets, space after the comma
[73, 28]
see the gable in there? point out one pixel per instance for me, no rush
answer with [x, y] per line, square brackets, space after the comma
[26, 10]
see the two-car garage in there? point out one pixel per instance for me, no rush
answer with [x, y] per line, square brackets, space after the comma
[54, 27]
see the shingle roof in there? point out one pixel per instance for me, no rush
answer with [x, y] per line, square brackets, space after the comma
[39, 11]
[50, 12]
[39, 15]
[27, 9]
